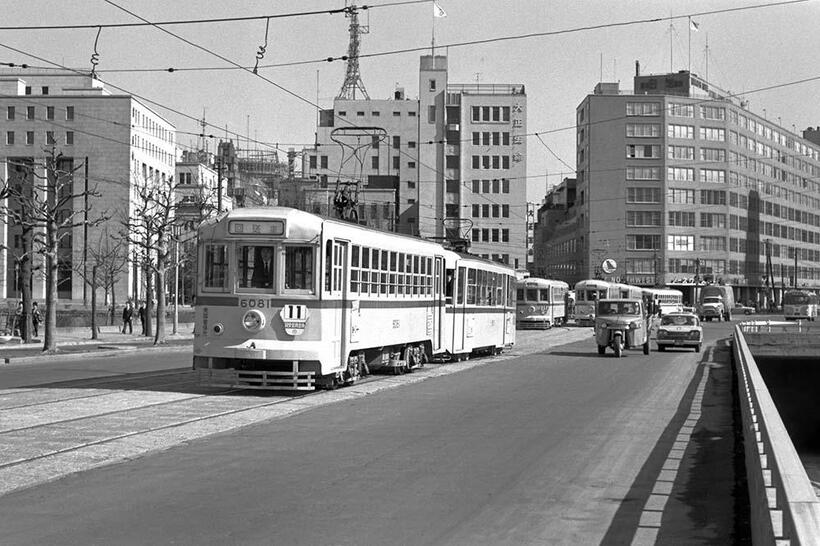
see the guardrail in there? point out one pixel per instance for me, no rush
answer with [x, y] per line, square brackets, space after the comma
[777, 326]
[785, 510]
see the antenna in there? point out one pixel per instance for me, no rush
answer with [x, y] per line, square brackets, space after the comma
[353, 79]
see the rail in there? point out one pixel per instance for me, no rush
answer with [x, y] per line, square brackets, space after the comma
[785, 509]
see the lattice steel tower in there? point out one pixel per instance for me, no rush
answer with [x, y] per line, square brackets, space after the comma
[353, 80]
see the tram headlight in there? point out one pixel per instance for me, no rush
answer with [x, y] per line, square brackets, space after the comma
[253, 321]
[219, 328]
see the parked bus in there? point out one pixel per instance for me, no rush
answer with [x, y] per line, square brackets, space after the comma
[800, 305]
[669, 300]
[541, 303]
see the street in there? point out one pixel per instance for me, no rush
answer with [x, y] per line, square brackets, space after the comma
[548, 444]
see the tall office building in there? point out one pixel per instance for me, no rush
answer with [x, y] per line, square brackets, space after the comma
[456, 157]
[677, 181]
[108, 141]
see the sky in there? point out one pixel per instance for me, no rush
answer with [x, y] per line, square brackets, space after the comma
[749, 48]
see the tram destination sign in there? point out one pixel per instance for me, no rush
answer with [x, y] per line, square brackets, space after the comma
[256, 227]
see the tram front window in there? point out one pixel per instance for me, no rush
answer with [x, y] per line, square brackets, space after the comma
[299, 268]
[256, 267]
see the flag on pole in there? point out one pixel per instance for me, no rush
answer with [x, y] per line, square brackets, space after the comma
[438, 11]
[693, 25]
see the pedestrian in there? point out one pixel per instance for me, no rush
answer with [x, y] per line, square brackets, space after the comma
[141, 313]
[127, 315]
[35, 318]
[20, 321]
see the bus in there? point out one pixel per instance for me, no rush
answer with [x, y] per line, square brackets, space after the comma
[669, 299]
[589, 291]
[800, 304]
[541, 303]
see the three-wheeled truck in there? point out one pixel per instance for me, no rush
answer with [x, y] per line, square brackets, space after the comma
[621, 324]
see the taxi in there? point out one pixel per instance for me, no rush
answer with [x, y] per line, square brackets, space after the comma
[679, 330]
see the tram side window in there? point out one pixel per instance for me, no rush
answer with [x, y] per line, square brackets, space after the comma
[216, 266]
[532, 294]
[545, 295]
[471, 287]
[520, 295]
[299, 268]
[462, 285]
[255, 267]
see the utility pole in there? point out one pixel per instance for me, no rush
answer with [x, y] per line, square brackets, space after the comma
[218, 184]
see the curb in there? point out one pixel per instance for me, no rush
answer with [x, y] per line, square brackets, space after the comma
[106, 351]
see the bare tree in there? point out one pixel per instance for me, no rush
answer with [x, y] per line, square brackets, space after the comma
[43, 205]
[151, 230]
[108, 260]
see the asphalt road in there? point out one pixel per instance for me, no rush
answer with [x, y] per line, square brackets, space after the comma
[553, 446]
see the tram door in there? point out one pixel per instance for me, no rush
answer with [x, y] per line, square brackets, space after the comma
[339, 287]
[438, 303]
[459, 314]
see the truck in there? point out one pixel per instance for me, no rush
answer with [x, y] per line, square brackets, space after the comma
[716, 301]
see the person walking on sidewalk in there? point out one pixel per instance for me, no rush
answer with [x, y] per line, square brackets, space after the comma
[127, 315]
[35, 318]
[141, 313]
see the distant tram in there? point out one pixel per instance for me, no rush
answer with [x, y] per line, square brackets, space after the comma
[589, 291]
[669, 299]
[541, 303]
[800, 305]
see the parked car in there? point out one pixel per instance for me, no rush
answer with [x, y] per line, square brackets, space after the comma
[679, 330]
[745, 309]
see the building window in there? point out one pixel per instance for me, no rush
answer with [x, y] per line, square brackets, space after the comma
[453, 185]
[681, 219]
[476, 210]
[411, 143]
[28, 90]
[360, 114]
[10, 113]
[376, 113]
[312, 161]
[643, 130]
[713, 112]
[69, 138]
[374, 162]
[396, 114]
[411, 113]
[681, 110]
[679, 196]
[505, 238]
[710, 243]
[431, 113]
[69, 113]
[396, 163]
[643, 218]
[476, 186]
[29, 138]
[505, 211]
[411, 164]
[341, 113]
[643, 173]
[715, 220]
[643, 195]
[681, 152]
[323, 161]
[643, 108]
[10, 138]
[49, 112]
[643, 151]
[643, 242]
[712, 154]
[505, 185]
[431, 85]
[29, 113]
[712, 197]
[713, 133]
[396, 142]
[485, 211]
[45, 90]
[680, 131]
[680, 174]
[713, 175]
[374, 141]
[682, 243]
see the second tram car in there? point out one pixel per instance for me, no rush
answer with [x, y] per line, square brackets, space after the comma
[291, 300]
[541, 303]
[800, 305]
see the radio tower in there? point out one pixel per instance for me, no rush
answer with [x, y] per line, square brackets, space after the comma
[353, 80]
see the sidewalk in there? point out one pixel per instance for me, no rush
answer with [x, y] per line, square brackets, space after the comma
[78, 341]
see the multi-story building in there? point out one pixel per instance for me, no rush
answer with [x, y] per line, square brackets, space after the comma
[109, 142]
[680, 183]
[556, 248]
[456, 156]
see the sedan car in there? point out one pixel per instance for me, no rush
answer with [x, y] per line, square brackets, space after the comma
[745, 309]
[679, 330]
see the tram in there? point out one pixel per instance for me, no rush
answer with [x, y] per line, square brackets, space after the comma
[800, 305]
[541, 303]
[589, 291]
[669, 299]
[291, 300]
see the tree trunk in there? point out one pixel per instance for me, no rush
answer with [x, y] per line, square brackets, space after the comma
[160, 333]
[50, 322]
[149, 301]
[94, 302]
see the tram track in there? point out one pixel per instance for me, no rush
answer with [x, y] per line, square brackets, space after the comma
[110, 439]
